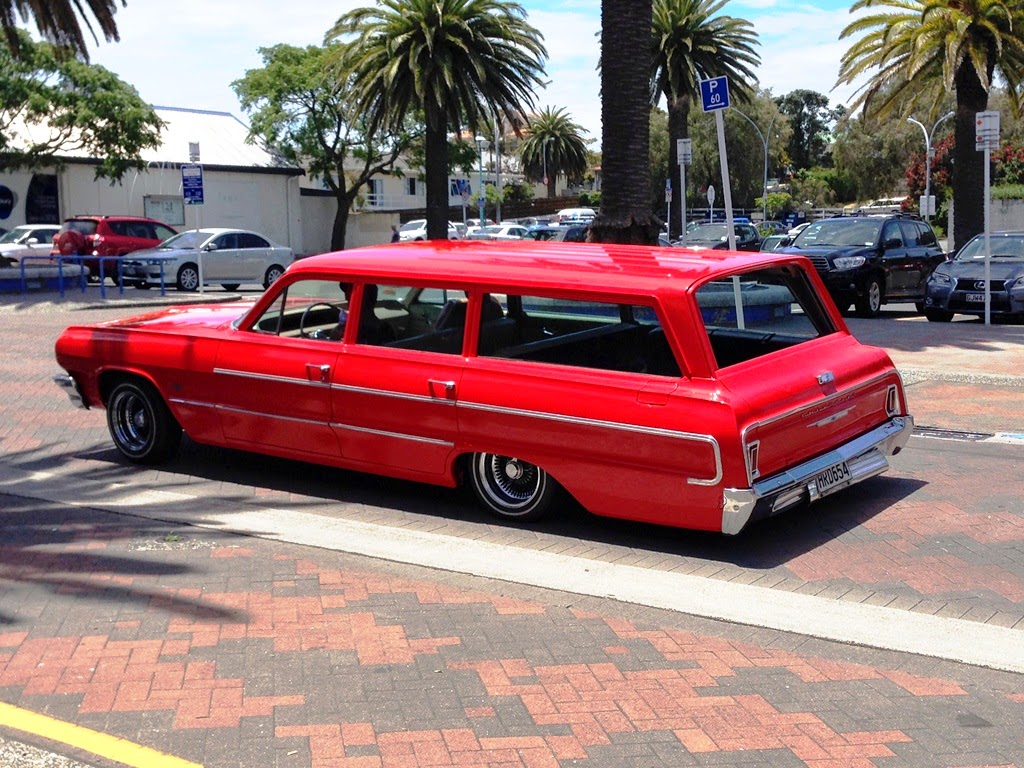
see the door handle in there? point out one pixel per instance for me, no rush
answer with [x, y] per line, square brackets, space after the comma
[445, 389]
[318, 373]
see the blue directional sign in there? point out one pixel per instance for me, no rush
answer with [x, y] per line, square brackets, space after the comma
[192, 183]
[714, 93]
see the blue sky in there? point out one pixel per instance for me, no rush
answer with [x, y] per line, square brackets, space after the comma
[187, 53]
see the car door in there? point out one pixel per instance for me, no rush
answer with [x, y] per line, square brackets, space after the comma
[397, 382]
[274, 379]
[896, 262]
[221, 261]
[43, 241]
[253, 257]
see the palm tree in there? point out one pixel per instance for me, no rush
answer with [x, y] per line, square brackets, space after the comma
[692, 44]
[456, 62]
[58, 21]
[553, 145]
[625, 215]
[924, 50]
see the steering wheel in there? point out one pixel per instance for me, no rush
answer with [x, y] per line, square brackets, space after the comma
[305, 315]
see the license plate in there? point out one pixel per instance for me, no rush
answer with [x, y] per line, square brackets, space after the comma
[979, 297]
[832, 477]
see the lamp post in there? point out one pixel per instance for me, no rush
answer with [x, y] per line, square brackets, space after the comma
[928, 152]
[481, 142]
[764, 144]
[544, 159]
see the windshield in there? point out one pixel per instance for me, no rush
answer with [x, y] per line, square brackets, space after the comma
[185, 241]
[12, 236]
[839, 232]
[409, 226]
[1002, 247]
[709, 232]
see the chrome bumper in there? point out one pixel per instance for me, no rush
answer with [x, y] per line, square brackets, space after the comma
[70, 387]
[866, 456]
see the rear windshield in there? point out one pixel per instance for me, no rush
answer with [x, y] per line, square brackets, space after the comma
[760, 312]
[83, 226]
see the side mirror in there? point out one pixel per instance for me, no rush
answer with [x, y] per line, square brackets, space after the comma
[785, 241]
[32, 241]
[210, 247]
[893, 242]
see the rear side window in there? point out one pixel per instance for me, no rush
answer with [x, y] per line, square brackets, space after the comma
[82, 226]
[249, 240]
[761, 312]
[579, 332]
[162, 232]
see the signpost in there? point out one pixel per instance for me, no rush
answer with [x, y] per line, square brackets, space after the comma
[192, 191]
[668, 208]
[986, 127]
[684, 154]
[714, 96]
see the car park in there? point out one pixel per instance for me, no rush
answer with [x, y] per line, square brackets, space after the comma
[713, 235]
[107, 236]
[869, 261]
[229, 257]
[703, 390]
[417, 230]
[958, 286]
[28, 240]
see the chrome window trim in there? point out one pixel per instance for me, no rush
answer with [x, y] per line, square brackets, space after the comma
[270, 377]
[617, 425]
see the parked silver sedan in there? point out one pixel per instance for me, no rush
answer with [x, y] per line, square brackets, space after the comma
[229, 257]
[28, 240]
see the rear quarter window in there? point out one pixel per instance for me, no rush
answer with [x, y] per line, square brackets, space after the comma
[757, 313]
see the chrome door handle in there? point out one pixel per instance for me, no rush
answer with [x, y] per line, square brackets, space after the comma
[318, 373]
[446, 388]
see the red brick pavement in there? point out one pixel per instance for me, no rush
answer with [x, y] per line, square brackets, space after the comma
[268, 654]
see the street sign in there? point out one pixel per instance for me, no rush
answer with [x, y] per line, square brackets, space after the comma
[711, 195]
[927, 205]
[684, 151]
[192, 183]
[714, 93]
[986, 129]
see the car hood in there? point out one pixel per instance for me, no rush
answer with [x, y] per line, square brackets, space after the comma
[714, 243]
[1000, 269]
[170, 253]
[825, 250]
[188, 317]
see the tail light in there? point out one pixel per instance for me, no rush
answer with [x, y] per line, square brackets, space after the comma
[892, 401]
[753, 451]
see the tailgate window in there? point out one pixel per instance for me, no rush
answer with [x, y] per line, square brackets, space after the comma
[759, 312]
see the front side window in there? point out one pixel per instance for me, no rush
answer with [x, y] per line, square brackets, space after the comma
[427, 319]
[760, 312]
[310, 309]
[583, 333]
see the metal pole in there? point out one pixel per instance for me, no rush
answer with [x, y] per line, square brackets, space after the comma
[480, 141]
[682, 204]
[988, 248]
[927, 167]
[764, 146]
[497, 168]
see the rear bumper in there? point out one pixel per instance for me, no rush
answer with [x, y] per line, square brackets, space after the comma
[71, 389]
[866, 456]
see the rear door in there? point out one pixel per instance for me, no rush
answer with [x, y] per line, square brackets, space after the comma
[253, 257]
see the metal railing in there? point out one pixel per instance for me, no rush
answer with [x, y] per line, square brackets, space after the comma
[61, 260]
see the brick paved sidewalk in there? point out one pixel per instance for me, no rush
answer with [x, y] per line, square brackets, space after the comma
[232, 651]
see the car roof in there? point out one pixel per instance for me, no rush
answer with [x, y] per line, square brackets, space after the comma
[603, 267]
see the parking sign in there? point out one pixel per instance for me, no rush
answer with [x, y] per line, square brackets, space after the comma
[192, 183]
[714, 93]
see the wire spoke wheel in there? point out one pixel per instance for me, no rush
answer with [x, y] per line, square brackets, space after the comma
[140, 424]
[511, 487]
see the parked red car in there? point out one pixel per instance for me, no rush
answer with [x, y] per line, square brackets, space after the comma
[699, 389]
[108, 236]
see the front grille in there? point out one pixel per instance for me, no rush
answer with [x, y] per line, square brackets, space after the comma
[968, 284]
[820, 263]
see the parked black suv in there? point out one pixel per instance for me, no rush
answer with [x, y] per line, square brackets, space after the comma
[869, 261]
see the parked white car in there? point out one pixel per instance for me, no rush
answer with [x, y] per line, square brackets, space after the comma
[28, 240]
[417, 230]
[229, 257]
[500, 232]
[575, 216]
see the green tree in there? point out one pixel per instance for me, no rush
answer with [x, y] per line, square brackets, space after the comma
[59, 22]
[692, 43]
[920, 51]
[874, 152]
[455, 62]
[554, 144]
[298, 108]
[625, 215]
[811, 121]
[53, 105]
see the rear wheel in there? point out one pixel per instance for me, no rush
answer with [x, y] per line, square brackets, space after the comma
[919, 306]
[188, 277]
[142, 427]
[870, 303]
[273, 272]
[938, 315]
[511, 488]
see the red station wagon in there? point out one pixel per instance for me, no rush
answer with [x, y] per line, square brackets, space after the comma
[696, 389]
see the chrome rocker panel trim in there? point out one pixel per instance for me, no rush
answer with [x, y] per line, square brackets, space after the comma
[866, 457]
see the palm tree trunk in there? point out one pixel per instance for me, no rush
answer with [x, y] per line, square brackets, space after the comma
[436, 168]
[968, 168]
[678, 128]
[625, 215]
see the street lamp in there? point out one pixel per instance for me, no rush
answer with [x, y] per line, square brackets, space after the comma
[928, 153]
[764, 143]
[544, 158]
[481, 142]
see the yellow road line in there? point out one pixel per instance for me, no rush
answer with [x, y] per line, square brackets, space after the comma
[93, 742]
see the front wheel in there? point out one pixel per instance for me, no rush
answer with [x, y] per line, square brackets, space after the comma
[511, 488]
[141, 425]
[273, 272]
[938, 315]
[188, 277]
[870, 303]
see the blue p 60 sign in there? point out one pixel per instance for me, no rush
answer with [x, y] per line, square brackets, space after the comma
[714, 93]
